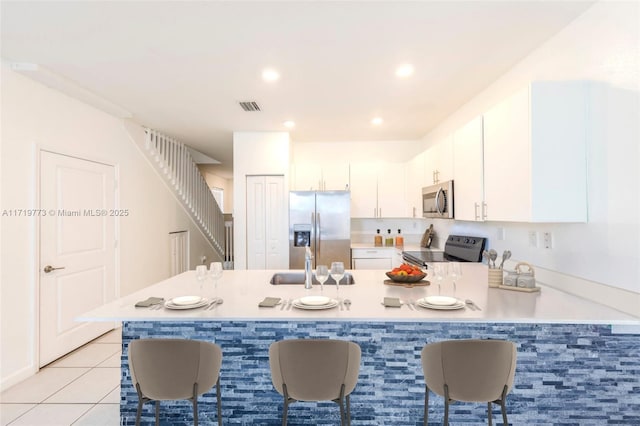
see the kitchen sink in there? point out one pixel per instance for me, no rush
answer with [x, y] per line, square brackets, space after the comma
[297, 277]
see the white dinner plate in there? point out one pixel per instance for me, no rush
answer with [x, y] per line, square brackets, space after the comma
[298, 304]
[170, 305]
[186, 300]
[315, 300]
[423, 304]
[439, 300]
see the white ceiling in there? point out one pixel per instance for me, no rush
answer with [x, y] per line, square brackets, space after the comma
[182, 67]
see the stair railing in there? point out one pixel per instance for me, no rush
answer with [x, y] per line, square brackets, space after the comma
[174, 162]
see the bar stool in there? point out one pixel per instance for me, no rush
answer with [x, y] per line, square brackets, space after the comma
[174, 369]
[315, 370]
[469, 371]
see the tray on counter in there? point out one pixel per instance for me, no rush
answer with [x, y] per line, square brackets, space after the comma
[523, 289]
[421, 283]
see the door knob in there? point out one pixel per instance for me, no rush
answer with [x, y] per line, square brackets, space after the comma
[50, 268]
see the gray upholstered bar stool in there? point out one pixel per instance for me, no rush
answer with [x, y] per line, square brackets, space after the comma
[469, 371]
[315, 370]
[174, 369]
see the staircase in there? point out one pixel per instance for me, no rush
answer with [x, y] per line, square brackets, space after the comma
[174, 162]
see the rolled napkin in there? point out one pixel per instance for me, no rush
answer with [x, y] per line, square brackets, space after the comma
[149, 302]
[269, 302]
[392, 302]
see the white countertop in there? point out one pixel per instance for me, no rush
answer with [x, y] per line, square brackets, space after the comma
[243, 290]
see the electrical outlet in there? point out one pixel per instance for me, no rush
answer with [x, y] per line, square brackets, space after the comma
[547, 239]
[500, 233]
[533, 239]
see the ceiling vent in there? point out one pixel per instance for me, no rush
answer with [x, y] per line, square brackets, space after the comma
[250, 106]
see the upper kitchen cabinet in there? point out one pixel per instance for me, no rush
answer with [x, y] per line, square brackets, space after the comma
[415, 180]
[377, 190]
[320, 177]
[468, 178]
[535, 154]
[438, 161]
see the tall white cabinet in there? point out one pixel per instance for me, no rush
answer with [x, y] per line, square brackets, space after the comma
[468, 171]
[535, 154]
[267, 223]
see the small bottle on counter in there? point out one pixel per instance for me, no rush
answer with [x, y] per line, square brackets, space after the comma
[399, 239]
[389, 240]
[377, 239]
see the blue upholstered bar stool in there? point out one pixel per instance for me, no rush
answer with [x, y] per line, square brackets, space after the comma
[315, 370]
[170, 369]
[469, 371]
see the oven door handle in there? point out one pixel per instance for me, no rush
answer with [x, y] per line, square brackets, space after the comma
[413, 262]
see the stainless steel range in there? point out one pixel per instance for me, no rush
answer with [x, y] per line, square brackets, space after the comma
[458, 248]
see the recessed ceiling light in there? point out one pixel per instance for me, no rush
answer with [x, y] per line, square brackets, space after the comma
[404, 70]
[289, 124]
[270, 74]
[376, 121]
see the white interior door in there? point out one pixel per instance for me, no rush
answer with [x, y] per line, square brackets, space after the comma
[267, 223]
[78, 236]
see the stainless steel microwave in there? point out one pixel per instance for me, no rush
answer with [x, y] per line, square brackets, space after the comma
[437, 200]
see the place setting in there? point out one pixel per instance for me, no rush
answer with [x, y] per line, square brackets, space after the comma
[446, 299]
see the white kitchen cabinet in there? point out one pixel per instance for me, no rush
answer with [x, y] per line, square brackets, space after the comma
[374, 258]
[320, 177]
[468, 171]
[377, 190]
[438, 161]
[391, 190]
[415, 180]
[535, 154]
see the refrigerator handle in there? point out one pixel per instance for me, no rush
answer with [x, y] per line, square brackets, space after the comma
[318, 236]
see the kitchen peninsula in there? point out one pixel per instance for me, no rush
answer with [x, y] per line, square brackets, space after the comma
[569, 349]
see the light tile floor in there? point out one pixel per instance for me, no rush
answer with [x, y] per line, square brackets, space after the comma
[82, 388]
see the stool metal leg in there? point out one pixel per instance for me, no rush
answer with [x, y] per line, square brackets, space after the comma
[489, 413]
[157, 413]
[194, 401]
[426, 405]
[446, 405]
[503, 406]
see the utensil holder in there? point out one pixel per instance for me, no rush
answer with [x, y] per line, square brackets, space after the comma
[495, 277]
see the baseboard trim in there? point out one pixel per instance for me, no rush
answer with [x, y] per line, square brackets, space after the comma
[17, 377]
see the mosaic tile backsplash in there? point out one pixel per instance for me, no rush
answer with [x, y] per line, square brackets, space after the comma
[566, 374]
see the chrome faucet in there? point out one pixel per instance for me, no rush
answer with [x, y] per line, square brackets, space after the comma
[307, 268]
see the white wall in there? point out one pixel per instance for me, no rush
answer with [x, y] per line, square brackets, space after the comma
[35, 117]
[216, 181]
[254, 153]
[601, 45]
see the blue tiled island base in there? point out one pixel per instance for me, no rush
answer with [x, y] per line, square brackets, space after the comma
[567, 374]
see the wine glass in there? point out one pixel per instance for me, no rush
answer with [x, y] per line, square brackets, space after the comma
[455, 272]
[337, 272]
[322, 275]
[440, 270]
[201, 275]
[215, 271]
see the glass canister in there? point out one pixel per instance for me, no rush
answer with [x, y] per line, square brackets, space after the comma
[526, 279]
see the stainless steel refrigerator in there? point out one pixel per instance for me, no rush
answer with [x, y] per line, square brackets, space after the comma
[321, 220]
